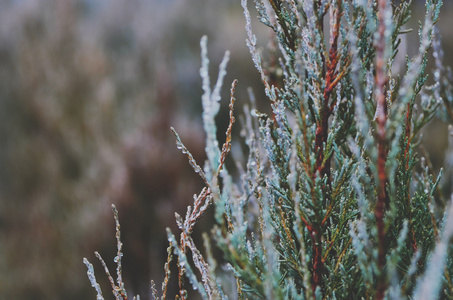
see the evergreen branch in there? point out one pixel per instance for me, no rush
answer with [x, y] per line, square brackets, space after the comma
[167, 272]
[382, 201]
[329, 201]
[227, 145]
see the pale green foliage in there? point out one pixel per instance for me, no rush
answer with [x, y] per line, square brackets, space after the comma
[331, 202]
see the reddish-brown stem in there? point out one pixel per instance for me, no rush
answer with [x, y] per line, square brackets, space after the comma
[382, 201]
[322, 166]
[183, 247]
[320, 139]
[331, 79]
[318, 265]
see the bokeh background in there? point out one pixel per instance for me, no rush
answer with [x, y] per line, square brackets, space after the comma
[88, 92]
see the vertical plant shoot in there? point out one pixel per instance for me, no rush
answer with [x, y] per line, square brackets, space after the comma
[334, 200]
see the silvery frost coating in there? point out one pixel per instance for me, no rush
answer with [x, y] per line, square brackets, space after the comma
[333, 197]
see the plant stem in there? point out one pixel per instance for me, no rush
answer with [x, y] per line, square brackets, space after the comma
[322, 166]
[382, 201]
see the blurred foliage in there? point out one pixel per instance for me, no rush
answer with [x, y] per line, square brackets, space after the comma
[88, 92]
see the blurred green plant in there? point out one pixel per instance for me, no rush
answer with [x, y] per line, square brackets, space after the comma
[332, 201]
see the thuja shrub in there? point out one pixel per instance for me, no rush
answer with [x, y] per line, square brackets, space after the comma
[334, 200]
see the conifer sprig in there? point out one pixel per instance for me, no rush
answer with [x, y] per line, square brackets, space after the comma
[335, 200]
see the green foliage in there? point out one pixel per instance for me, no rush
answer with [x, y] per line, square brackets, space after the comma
[332, 201]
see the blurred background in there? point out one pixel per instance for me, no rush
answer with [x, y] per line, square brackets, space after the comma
[88, 92]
